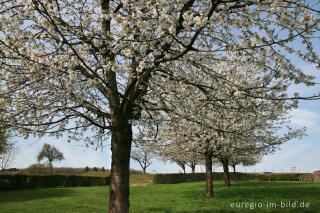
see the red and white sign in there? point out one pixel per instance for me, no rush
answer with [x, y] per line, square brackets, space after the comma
[293, 169]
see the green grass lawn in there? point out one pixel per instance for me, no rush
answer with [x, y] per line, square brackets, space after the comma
[182, 198]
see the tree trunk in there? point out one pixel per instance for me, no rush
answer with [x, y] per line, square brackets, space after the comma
[193, 168]
[119, 178]
[182, 165]
[234, 173]
[209, 185]
[144, 170]
[226, 173]
[50, 164]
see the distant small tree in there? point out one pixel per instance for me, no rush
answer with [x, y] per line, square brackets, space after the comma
[50, 153]
[95, 169]
[246, 159]
[7, 151]
[8, 157]
[181, 164]
[251, 160]
[103, 169]
[143, 156]
[86, 169]
[3, 140]
[192, 159]
[192, 164]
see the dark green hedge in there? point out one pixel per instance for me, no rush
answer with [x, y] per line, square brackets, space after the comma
[281, 177]
[180, 178]
[13, 182]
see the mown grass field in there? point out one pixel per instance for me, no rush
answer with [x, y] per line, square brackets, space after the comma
[180, 198]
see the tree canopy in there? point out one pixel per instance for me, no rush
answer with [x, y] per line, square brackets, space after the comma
[79, 66]
[51, 154]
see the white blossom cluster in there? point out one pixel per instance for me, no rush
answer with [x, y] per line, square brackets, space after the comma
[221, 113]
[83, 65]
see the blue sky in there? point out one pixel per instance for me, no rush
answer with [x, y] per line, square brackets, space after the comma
[303, 154]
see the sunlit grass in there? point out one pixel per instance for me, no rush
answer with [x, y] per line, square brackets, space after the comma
[185, 197]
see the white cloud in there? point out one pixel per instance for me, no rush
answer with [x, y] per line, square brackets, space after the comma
[308, 119]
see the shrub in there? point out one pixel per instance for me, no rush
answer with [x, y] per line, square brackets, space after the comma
[37, 169]
[9, 182]
[193, 177]
[86, 169]
[180, 178]
[281, 177]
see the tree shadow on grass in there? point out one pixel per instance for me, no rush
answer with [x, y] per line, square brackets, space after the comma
[255, 192]
[270, 190]
[166, 210]
[260, 190]
[207, 211]
[162, 210]
[34, 194]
